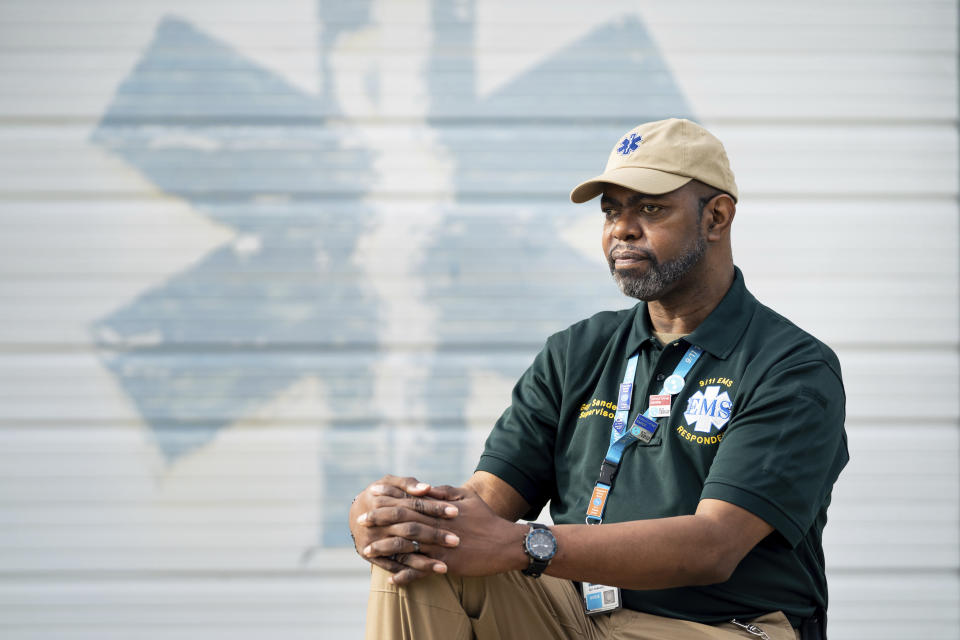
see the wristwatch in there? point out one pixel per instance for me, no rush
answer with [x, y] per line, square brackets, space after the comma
[540, 546]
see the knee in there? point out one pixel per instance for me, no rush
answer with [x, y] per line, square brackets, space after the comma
[379, 581]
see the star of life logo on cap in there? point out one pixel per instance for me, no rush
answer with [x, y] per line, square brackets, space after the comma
[709, 409]
[629, 144]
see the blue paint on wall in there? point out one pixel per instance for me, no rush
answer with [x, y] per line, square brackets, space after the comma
[226, 335]
[184, 381]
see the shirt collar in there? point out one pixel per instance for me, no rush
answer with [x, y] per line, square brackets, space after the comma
[718, 334]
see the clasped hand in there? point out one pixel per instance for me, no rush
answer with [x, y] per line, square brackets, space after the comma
[413, 530]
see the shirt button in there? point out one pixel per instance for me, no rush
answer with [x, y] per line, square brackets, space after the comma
[660, 377]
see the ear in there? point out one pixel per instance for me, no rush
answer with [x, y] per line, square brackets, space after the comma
[718, 215]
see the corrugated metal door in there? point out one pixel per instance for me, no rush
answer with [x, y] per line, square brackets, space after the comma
[255, 254]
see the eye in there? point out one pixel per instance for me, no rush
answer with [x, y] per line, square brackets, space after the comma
[608, 212]
[651, 209]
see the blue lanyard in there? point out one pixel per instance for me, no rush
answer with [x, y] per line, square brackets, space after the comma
[642, 429]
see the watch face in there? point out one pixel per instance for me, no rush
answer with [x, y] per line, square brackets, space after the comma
[541, 544]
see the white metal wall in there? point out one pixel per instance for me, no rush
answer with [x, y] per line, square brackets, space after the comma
[253, 255]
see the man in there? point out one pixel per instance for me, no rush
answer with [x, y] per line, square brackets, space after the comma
[718, 423]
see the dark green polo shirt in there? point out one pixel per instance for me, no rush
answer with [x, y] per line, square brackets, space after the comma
[759, 423]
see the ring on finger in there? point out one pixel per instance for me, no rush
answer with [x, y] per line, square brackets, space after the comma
[416, 546]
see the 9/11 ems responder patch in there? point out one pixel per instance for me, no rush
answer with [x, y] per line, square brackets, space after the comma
[708, 409]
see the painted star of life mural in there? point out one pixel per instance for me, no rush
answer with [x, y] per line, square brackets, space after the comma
[393, 239]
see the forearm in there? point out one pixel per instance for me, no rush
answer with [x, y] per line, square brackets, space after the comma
[645, 554]
[662, 553]
[502, 499]
[699, 549]
[651, 554]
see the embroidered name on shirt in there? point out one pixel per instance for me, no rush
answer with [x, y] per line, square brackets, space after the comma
[598, 408]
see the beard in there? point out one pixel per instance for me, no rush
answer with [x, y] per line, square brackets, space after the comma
[659, 276]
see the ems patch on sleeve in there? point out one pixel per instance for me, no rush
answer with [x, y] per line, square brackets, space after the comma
[708, 409]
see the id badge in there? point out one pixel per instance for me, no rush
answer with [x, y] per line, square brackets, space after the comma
[599, 598]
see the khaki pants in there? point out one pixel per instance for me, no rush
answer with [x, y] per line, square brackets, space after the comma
[511, 606]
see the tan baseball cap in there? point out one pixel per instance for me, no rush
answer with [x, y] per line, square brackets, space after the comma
[658, 157]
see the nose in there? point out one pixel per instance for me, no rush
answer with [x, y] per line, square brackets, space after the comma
[627, 228]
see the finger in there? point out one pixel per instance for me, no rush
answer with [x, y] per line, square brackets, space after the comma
[389, 564]
[385, 547]
[435, 509]
[391, 546]
[409, 484]
[420, 564]
[424, 534]
[406, 512]
[388, 490]
[406, 576]
[446, 492]
[426, 506]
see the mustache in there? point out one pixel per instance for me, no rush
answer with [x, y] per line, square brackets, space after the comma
[626, 251]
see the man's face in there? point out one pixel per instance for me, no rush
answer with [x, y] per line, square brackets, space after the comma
[651, 241]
